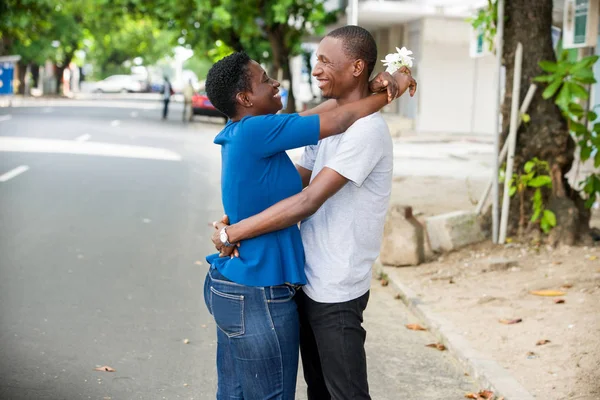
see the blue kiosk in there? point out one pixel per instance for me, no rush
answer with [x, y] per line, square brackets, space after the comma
[7, 74]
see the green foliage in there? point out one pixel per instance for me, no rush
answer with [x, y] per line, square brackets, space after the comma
[536, 176]
[567, 80]
[258, 27]
[485, 21]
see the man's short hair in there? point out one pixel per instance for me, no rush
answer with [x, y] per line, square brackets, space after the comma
[225, 79]
[357, 43]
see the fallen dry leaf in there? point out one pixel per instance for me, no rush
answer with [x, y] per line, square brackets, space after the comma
[542, 342]
[482, 395]
[198, 263]
[556, 262]
[385, 282]
[567, 286]
[415, 327]
[559, 301]
[438, 346]
[105, 368]
[397, 297]
[186, 341]
[203, 325]
[510, 321]
[548, 293]
[592, 258]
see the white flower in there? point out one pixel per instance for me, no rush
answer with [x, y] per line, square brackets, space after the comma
[395, 61]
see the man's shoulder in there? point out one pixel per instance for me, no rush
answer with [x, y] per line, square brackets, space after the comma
[369, 128]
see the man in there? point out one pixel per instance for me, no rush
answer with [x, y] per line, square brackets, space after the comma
[188, 93]
[167, 92]
[350, 184]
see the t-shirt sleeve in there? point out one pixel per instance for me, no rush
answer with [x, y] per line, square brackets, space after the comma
[309, 156]
[358, 152]
[271, 134]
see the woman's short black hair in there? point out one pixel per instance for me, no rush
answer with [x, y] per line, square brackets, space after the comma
[225, 79]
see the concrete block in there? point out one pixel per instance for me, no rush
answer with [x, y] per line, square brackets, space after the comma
[403, 238]
[454, 230]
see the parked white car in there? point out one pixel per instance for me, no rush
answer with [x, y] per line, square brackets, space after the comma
[119, 83]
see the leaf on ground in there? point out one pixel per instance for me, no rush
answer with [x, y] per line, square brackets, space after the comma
[559, 301]
[105, 368]
[438, 346]
[384, 282]
[415, 327]
[510, 321]
[592, 258]
[567, 286]
[542, 342]
[482, 395]
[198, 263]
[547, 293]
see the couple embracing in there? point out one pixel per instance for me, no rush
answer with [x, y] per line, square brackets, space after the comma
[274, 286]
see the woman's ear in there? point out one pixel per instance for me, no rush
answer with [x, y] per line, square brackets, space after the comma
[243, 100]
[359, 66]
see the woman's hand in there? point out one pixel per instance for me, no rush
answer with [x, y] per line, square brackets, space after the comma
[224, 251]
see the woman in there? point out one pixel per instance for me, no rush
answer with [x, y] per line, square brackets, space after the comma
[251, 297]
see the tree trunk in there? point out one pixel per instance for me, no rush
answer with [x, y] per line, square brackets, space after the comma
[21, 72]
[546, 136]
[281, 60]
[35, 74]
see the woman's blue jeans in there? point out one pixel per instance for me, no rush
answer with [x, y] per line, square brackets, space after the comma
[257, 338]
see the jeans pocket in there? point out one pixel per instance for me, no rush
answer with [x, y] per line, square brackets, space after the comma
[228, 311]
[207, 293]
[281, 293]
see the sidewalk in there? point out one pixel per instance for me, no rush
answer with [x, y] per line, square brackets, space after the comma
[399, 364]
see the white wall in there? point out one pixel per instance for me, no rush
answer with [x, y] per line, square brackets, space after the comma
[456, 92]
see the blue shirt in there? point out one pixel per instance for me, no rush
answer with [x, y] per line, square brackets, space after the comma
[256, 173]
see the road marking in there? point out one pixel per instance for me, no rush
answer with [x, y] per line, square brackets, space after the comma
[34, 145]
[5, 117]
[13, 172]
[83, 138]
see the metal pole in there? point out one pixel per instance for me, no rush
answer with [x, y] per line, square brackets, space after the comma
[496, 169]
[353, 12]
[512, 142]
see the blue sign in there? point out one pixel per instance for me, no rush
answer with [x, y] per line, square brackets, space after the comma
[7, 70]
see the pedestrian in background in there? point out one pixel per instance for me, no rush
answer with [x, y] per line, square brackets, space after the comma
[188, 93]
[167, 92]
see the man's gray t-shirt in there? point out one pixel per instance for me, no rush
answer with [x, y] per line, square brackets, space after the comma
[342, 239]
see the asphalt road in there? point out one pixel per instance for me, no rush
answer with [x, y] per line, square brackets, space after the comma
[104, 213]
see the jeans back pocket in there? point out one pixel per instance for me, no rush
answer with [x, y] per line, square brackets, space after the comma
[228, 311]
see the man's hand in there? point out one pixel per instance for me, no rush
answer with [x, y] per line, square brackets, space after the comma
[224, 251]
[404, 79]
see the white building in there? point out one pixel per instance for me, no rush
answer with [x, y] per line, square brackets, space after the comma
[457, 92]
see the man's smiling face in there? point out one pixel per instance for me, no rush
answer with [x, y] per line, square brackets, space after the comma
[334, 70]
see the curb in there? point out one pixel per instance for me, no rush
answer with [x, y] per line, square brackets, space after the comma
[486, 371]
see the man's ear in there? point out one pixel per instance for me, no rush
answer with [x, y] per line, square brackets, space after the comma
[359, 66]
[243, 99]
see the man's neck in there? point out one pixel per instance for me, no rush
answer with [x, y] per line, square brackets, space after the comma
[360, 92]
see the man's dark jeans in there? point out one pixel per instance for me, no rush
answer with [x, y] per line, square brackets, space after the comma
[332, 345]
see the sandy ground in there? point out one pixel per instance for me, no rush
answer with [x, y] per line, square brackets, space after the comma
[463, 287]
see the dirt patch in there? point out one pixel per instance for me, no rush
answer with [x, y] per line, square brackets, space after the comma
[475, 295]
